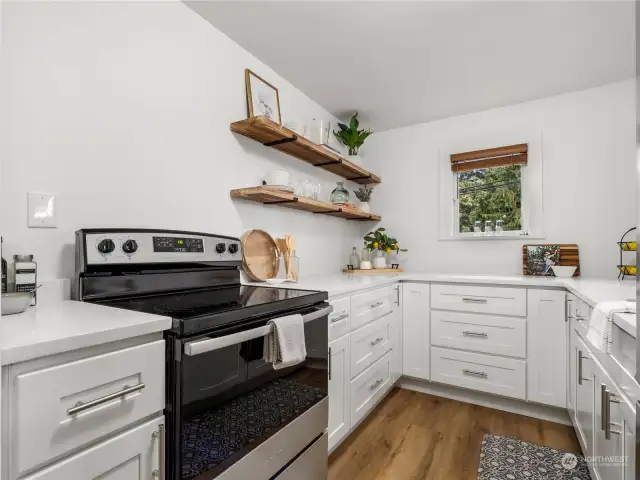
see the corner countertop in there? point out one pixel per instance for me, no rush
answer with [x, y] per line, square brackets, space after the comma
[589, 290]
[58, 326]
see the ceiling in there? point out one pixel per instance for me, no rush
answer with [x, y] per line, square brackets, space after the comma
[401, 63]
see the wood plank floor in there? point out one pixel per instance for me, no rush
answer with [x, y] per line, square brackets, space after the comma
[414, 436]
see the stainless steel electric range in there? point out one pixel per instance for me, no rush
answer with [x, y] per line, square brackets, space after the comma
[229, 414]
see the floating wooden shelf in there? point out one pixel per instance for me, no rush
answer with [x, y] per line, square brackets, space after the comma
[272, 134]
[271, 196]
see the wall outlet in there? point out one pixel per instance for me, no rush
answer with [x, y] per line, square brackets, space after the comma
[42, 210]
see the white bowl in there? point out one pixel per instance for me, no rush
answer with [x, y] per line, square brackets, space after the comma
[275, 281]
[15, 302]
[564, 272]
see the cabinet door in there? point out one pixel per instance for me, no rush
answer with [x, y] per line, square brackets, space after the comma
[396, 330]
[415, 321]
[547, 347]
[132, 455]
[571, 364]
[339, 361]
[584, 395]
[609, 435]
[630, 450]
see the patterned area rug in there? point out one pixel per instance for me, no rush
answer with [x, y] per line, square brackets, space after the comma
[504, 458]
[211, 438]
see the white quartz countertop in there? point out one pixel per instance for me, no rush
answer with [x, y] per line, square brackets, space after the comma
[590, 290]
[65, 325]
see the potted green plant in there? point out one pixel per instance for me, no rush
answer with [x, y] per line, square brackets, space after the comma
[380, 243]
[363, 194]
[352, 138]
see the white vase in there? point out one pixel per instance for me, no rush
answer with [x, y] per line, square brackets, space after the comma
[357, 159]
[364, 207]
[379, 261]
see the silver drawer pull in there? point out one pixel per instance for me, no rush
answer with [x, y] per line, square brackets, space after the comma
[159, 473]
[605, 415]
[376, 341]
[580, 359]
[474, 300]
[475, 374]
[81, 406]
[340, 318]
[474, 334]
[376, 305]
[375, 385]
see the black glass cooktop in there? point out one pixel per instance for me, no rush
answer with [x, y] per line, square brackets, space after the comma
[220, 307]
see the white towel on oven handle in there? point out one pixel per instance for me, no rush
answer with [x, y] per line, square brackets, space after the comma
[285, 346]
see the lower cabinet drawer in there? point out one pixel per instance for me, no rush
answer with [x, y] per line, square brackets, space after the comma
[481, 333]
[369, 387]
[339, 319]
[370, 343]
[476, 371]
[480, 299]
[313, 464]
[45, 417]
[132, 455]
[371, 305]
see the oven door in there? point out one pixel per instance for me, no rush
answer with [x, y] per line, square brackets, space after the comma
[232, 416]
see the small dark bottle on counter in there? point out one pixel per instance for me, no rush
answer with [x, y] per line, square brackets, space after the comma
[4, 269]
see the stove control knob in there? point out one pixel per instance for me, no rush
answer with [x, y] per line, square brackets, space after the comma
[221, 248]
[233, 248]
[130, 246]
[106, 246]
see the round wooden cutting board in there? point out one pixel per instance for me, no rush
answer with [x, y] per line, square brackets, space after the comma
[259, 255]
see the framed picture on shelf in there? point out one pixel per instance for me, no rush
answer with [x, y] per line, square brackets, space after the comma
[540, 259]
[262, 97]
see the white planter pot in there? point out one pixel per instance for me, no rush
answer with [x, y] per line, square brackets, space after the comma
[380, 262]
[364, 207]
[357, 159]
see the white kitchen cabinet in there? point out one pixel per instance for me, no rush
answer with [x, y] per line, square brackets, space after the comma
[584, 397]
[132, 455]
[339, 390]
[416, 331]
[630, 449]
[547, 347]
[396, 334]
[609, 435]
[571, 362]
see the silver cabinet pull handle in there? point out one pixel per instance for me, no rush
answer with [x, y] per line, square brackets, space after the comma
[580, 377]
[474, 334]
[329, 363]
[81, 406]
[375, 385]
[474, 300]
[475, 374]
[340, 318]
[398, 295]
[605, 411]
[159, 473]
[376, 305]
[376, 341]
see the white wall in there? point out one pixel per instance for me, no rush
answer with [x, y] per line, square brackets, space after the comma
[122, 110]
[589, 180]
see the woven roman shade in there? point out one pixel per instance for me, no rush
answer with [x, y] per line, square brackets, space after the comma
[491, 157]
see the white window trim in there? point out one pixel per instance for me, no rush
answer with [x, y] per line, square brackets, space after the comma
[531, 178]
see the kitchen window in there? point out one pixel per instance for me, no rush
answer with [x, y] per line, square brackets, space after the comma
[498, 187]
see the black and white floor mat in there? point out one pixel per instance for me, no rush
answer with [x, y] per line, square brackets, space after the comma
[504, 458]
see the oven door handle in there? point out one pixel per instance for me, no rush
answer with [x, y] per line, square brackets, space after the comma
[209, 344]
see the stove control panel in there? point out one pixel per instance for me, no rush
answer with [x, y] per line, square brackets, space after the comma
[147, 246]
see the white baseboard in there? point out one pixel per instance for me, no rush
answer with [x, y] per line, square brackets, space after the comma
[535, 410]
